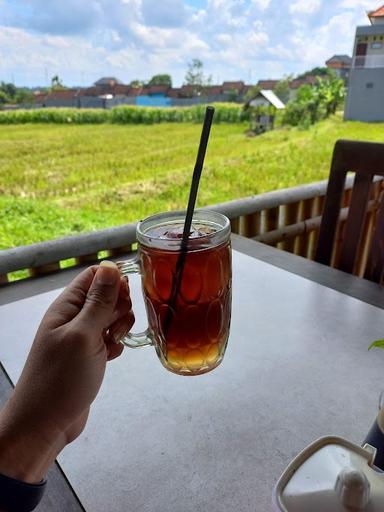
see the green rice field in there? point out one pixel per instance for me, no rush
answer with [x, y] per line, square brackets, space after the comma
[57, 180]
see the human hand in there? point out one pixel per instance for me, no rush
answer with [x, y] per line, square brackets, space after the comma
[64, 370]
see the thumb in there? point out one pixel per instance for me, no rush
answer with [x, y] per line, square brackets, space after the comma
[102, 297]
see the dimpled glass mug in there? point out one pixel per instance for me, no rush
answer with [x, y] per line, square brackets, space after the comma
[189, 315]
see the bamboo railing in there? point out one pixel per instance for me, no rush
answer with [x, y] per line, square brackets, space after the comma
[288, 219]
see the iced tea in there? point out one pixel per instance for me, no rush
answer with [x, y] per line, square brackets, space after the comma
[190, 327]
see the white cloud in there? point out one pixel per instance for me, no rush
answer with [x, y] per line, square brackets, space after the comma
[261, 4]
[164, 13]
[31, 57]
[357, 4]
[224, 39]
[316, 46]
[282, 52]
[305, 6]
[168, 38]
[235, 39]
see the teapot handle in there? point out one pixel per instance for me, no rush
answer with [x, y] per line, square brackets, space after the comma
[375, 436]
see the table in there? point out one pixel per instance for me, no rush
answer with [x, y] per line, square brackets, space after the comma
[296, 368]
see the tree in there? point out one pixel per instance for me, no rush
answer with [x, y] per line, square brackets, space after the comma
[195, 76]
[332, 94]
[24, 95]
[56, 83]
[282, 89]
[318, 71]
[136, 84]
[161, 80]
[4, 98]
[9, 89]
[251, 94]
[315, 102]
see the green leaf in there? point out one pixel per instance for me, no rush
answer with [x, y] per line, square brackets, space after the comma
[377, 344]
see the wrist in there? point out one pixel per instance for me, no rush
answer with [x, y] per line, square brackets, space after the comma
[26, 452]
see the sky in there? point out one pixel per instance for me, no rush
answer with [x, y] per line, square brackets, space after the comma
[83, 40]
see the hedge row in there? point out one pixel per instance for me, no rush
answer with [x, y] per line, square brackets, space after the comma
[224, 113]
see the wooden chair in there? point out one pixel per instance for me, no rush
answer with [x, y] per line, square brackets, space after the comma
[366, 160]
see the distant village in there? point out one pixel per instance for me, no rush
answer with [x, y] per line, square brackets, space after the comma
[108, 92]
[362, 74]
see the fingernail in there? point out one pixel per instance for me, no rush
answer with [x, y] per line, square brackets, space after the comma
[107, 273]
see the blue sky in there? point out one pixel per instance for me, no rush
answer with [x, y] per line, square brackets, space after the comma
[82, 40]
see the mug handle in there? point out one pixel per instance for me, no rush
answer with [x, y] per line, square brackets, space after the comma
[141, 339]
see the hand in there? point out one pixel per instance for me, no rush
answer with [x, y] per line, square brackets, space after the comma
[64, 371]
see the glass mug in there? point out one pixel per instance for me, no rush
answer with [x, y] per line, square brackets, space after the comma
[187, 295]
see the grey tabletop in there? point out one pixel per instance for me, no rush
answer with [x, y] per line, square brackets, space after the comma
[296, 368]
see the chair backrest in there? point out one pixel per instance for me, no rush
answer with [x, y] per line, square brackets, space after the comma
[366, 160]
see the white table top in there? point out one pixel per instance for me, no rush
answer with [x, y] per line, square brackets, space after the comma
[296, 368]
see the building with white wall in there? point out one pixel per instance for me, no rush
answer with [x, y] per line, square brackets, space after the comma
[365, 99]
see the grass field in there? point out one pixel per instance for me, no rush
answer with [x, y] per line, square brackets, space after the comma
[57, 180]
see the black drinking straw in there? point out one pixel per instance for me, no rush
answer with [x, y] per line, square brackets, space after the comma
[190, 209]
[196, 176]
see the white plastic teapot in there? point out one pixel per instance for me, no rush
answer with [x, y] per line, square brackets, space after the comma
[334, 475]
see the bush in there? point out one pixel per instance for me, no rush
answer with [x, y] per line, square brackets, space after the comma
[314, 103]
[225, 113]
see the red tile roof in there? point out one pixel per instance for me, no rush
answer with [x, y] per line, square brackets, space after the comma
[174, 92]
[267, 84]
[187, 91]
[39, 97]
[212, 90]
[156, 89]
[91, 91]
[232, 85]
[65, 94]
[136, 91]
[121, 90]
[378, 13]
[298, 82]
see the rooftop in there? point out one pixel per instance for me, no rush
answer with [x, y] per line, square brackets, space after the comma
[378, 13]
[267, 84]
[370, 30]
[346, 59]
[107, 80]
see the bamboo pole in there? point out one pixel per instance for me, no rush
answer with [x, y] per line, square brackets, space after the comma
[271, 220]
[3, 279]
[44, 269]
[304, 239]
[120, 251]
[317, 210]
[251, 225]
[291, 217]
[235, 225]
[87, 258]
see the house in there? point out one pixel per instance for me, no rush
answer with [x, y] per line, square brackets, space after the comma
[107, 81]
[263, 108]
[366, 80]
[59, 98]
[267, 98]
[154, 96]
[187, 91]
[267, 84]
[341, 65]
[157, 90]
[377, 17]
[232, 89]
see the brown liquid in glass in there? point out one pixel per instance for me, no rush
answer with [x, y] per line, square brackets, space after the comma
[191, 329]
